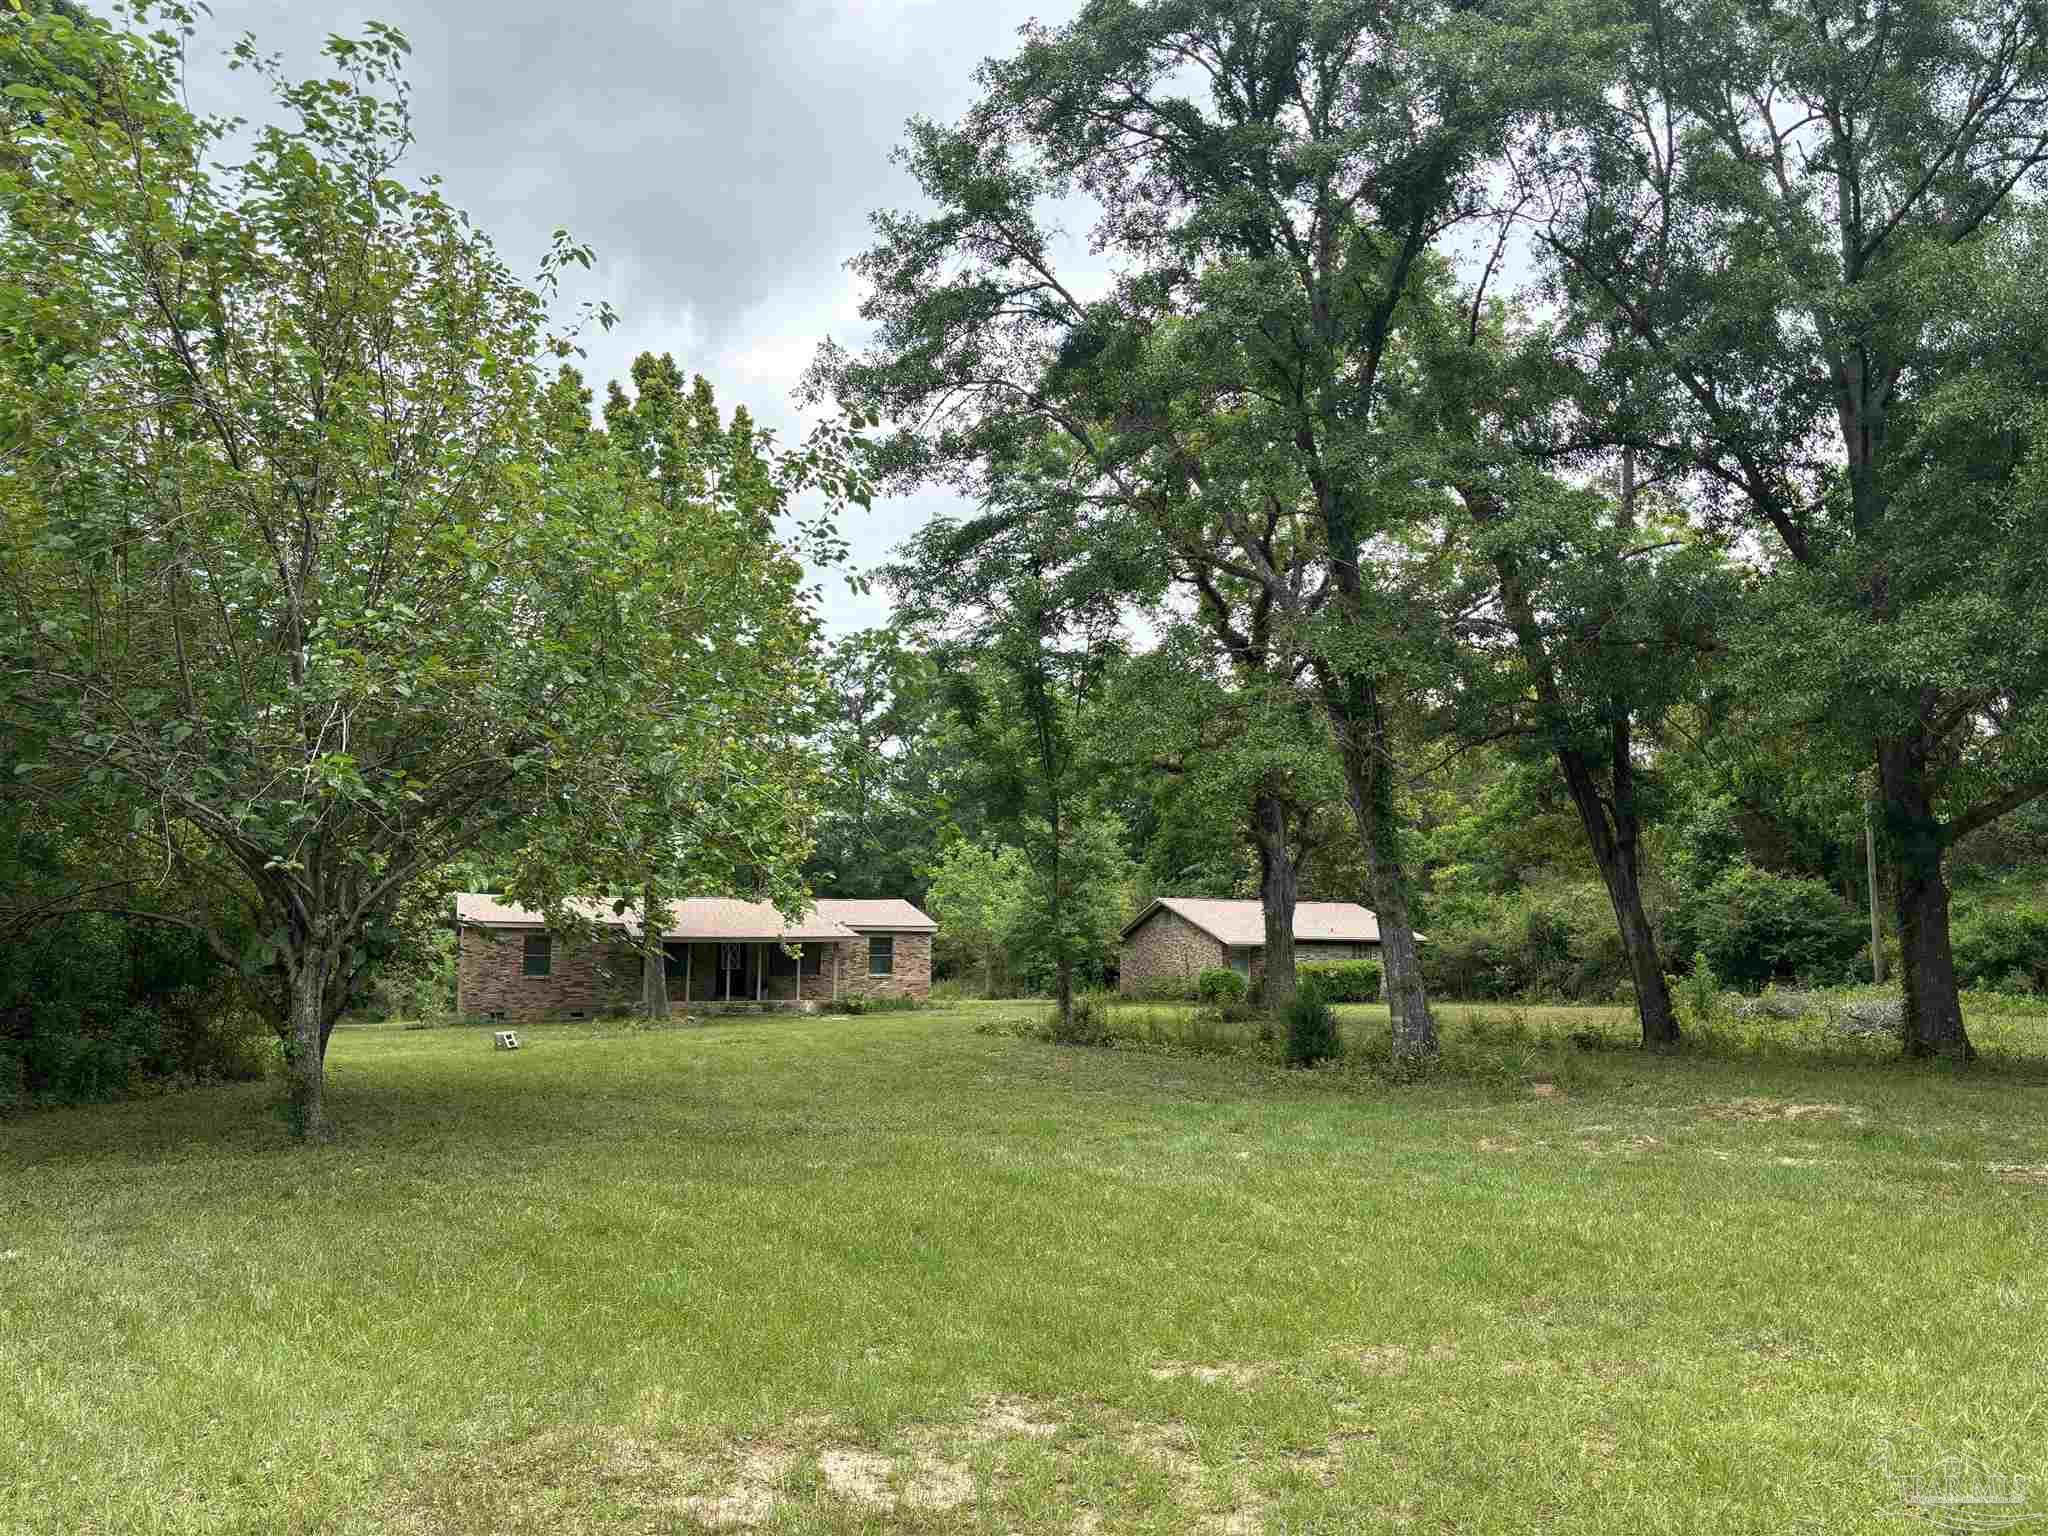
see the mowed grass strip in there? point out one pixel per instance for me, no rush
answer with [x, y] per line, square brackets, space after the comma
[838, 1274]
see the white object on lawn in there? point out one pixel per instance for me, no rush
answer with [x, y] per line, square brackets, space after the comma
[506, 1040]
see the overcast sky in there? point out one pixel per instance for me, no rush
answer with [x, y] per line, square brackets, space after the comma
[721, 155]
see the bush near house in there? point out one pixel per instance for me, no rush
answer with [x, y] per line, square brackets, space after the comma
[1343, 981]
[1557, 945]
[1220, 985]
[1311, 1027]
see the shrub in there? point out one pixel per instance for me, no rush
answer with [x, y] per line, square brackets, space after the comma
[1166, 989]
[1311, 1028]
[1219, 985]
[2005, 950]
[1756, 927]
[1343, 981]
[1560, 944]
[1699, 993]
[889, 1002]
[1087, 1023]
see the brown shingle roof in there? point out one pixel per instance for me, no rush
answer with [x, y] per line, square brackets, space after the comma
[698, 917]
[1243, 923]
[892, 914]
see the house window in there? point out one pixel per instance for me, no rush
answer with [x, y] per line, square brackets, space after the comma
[881, 954]
[814, 959]
[539, 957]
[1241, 961]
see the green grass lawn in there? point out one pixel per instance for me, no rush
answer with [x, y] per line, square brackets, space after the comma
[891, 1273]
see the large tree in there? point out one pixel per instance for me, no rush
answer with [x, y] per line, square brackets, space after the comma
[1796, 247]
[884, 811]
[707, 785]
[308, 584]
[1268, 176]
[1024, 608]
[1586, 610]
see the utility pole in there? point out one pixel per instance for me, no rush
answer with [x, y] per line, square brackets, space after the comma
[1876, 927]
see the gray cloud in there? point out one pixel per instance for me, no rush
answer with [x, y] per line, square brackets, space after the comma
[721, 157]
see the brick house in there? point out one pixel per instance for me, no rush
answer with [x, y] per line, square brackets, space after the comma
[722, 953]
[1178, 937]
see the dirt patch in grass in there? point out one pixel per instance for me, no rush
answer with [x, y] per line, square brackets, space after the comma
[1397, 1359]
[750, 1498]
[1778, 1110]
[1321, 1462]
[1236, 1373]
[2019, 1173]
[1619, 1145]
[560, 1479]
[1006, 1418]
[563, 1480]
[861, 1477]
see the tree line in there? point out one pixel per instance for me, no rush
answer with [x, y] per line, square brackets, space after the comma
[1500, 373]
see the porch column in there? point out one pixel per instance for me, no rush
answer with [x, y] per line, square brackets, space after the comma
[760, 972]
[686, 972]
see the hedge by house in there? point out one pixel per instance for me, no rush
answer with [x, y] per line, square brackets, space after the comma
[1343, 981]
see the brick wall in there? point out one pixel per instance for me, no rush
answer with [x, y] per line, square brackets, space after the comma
[911, 976]
[582, 978]
[1167, 947]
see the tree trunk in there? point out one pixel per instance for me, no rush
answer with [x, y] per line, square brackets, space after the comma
[653, 959]
[1933, 1023]
[1279, 885]
[1615, 844]
[306, 1043]
[1362, 748]
[1639, 943]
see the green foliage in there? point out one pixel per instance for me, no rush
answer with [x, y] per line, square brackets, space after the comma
[2004, 949]
[1699, 991]
[1558, 943]
[977, 894]
[1091, 894]
[1087, 1023]
[884, 808]
[1165, 989]
[1755, 927]
[1312, 1035]
[892, 1002]
[1219, 985]
[315, 578]
[1343, 981]
[94, 1007]
[1713, 278]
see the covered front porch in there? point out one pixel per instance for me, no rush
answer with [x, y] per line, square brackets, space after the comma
[750, 972]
